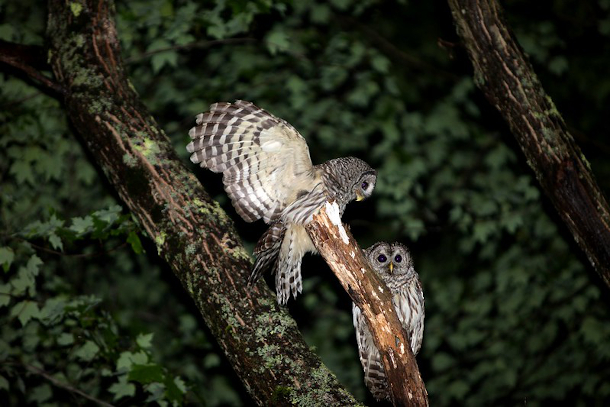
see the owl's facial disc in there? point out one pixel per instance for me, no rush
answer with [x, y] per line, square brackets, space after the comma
[364, 187]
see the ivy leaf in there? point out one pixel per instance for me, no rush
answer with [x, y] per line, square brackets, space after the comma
[128, 359]
[56, 242]
[156, 390]
[33, 264]
[6, 257]
[175, 388]
[164, 55]
[211, 360]
[22, 172]
[81, 225]
[134, 240]
[122, 388]
[53, 310]
[25, 278]
[277, 41]
[24, 311]
[146, 374]
[109, 215]
[144, 340]
[65, 339]
[40, 394]
[4, 383]
[88, 351]
[5, 294]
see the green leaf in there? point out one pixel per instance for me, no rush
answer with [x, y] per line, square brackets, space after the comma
[134, 240]
[25, 278]
[65, 339]
[277, 41]
[146, 373]
[5, 294]
[169, 58]
[156, 390]
[22, 171]
[6, 257]
[56, 242]
[53, 310]
[175, 388]
[128, 359]
[24, 311]
[211, 360]
[144, 340]
[109, 215]
[88, 351]
[122, 388]
[40, 394]
[33, 264]
[81, 225]
[164, 54]
[4, 383]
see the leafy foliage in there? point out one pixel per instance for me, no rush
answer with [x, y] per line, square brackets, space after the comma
[514, 314]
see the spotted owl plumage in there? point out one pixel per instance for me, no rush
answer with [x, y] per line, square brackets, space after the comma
[394, 265]
[268, 174]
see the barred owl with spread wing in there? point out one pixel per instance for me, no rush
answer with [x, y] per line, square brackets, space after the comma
[394, 265]
[268, 174]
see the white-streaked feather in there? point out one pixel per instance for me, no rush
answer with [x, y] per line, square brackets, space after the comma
[264, 159]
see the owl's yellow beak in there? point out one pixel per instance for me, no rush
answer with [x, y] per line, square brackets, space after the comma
[359, 197]
[391, 267]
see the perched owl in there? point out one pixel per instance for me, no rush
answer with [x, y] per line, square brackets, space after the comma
[394, 265]
[268, 175]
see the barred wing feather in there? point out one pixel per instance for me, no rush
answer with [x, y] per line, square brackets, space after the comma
[264, 160]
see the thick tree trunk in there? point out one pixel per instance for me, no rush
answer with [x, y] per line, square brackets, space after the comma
[190, 230]
[368, 291]
[506, 77]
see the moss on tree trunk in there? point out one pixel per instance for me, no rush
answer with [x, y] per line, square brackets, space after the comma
[190, 231]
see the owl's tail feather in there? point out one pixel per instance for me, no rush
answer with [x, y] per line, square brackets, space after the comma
[370, 358]
[288, 269]
[267, 251]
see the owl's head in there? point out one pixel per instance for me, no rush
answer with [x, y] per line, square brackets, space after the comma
[390, 259]
[363, 177]
[365, 185]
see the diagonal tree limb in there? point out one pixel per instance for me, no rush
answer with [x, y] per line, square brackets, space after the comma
[190, 231]
[370, 294]
[504, 74]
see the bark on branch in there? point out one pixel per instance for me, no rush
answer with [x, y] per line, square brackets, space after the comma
[190, 230]
[509, 82]
[345, 258]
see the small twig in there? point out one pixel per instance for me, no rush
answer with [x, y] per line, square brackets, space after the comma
[396, 53]
[75, 255]
[65, 386]
[26, 58]
[198, 44]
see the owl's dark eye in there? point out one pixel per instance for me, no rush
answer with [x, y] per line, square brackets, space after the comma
[382, 258]
[398, 258]
[365, 185]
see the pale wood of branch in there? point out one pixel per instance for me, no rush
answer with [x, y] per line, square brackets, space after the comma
[369, 293]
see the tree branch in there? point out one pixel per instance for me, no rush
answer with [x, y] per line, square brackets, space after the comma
[27, 59]
[35, 370]
[370, 294]
[190, 231]
[504, 74]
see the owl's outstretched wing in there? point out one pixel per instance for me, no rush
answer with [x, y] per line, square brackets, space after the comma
[264, 160]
